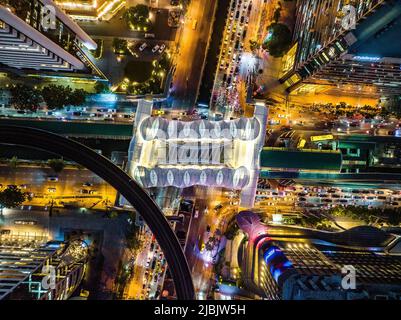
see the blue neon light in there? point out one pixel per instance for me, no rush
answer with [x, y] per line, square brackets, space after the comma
[367, 58]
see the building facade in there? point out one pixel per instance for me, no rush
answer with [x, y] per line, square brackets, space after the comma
[331, 53]
[290, 263]
[37, 37]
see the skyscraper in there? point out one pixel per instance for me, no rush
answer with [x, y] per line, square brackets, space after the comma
[330, 52]
[37, 36]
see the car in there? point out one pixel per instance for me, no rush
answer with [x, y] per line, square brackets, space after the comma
[84, 191]
[149, 35]
[51, 190]
[196, 213]
[92, 191]
[155, 48]
[162, 47]
[208, 228]
[143, 46]
[52, 179]
[202, 248]
[87, 184]
[218, 207]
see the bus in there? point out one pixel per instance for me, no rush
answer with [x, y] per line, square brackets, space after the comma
[322, 138]
[301, 144]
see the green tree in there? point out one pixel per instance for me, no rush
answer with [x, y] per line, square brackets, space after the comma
[77, 97]
[12, 197]
[56, 97]
[56, 164]
[101, 87]
[278, 40]
[13, 162]
[138, 17]
[254, 45]
[120, 45]
[24, 97]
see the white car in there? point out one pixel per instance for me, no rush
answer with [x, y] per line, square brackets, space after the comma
[143, 46]
[162, 47]
[155, 48]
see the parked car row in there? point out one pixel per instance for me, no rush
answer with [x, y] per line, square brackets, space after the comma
[158, 48]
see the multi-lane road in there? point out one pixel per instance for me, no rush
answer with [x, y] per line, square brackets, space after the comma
[206, 222]
[78, 187]
[193, 42]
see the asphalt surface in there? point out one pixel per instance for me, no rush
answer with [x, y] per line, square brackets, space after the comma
[192, 53]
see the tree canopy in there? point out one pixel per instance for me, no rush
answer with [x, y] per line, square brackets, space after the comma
[278, 40]
[101, 87]
[138, 17]
[120, 45]
[12, 197]
[57, 97]
[56, 164]
[24, 97]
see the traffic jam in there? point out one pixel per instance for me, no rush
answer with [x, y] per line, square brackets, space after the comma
[154, 265]
[328, 197]
[232, 48]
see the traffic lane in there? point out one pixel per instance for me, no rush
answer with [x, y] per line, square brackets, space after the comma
[196, 229]
[70, 182]
[192, 53]
[234, 33]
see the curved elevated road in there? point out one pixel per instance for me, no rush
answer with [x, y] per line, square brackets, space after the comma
[122, 182]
